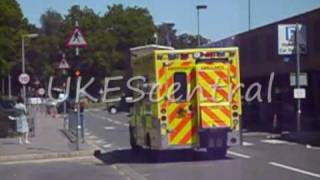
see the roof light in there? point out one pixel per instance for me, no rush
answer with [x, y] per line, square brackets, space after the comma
[197, 55]
[221, 53]
[184, 56]
[172, 56]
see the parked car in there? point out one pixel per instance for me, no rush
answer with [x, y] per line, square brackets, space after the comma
[122, 105]
[7, 126]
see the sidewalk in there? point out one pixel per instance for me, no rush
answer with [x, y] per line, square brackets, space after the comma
[311, 138]
[49, 142]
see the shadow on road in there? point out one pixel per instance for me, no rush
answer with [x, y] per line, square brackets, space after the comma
[128, 156]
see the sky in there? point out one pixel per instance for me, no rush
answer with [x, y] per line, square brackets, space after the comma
[222, 18]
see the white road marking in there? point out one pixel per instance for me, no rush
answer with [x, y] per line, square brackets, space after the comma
[109, 127]
[110, 120]
[123, 148]
[239, 154]
[87, 133]
[100, 142]
[126, 124]
[308, 146]
[107, 146]
[92, 137]
[295, 169]
[117, 122]
[46, 160]
[247, 143]
[276, 141]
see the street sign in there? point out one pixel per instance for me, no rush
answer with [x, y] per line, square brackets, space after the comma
[286, 39]
[303, 79]
[76, 39]
[24, 78]
[63, 63]
[41, 91]
[299, 93]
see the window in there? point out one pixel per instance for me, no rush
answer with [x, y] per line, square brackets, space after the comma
[180, 86]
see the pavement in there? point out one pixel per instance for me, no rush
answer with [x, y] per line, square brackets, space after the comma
[49, 142]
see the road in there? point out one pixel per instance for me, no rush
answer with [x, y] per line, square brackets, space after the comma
[261, 158]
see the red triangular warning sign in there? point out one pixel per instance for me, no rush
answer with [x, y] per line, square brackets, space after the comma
[76, 39]
[63, 63]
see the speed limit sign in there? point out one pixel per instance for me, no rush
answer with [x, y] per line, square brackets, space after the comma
[24, 78]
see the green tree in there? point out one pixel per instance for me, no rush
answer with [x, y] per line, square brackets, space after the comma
[11, 21]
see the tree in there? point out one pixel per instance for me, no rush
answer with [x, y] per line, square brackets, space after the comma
[189, 41]
[167, 34]
[11, 21]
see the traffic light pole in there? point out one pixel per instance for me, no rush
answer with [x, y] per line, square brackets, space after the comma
[78, 110]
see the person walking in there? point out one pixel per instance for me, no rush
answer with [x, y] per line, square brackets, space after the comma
[21, 121]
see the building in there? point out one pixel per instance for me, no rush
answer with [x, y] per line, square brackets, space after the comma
[259, 58]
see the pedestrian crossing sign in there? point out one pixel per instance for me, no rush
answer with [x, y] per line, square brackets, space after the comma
[76, 39]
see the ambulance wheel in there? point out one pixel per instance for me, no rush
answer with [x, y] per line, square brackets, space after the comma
[133, 141]
[217, 152]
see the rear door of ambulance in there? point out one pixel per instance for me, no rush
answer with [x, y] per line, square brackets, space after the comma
[180, 109]
[214, 83]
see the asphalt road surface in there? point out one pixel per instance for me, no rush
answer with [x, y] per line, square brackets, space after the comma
[260, 158]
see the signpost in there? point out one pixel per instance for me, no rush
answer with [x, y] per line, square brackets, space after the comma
[76, 40]
[292, 40]
[303, 79]
[64, 66]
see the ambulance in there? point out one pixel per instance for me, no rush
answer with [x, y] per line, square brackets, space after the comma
[192, 100]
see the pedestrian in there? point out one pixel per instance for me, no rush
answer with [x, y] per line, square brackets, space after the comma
[21, 121]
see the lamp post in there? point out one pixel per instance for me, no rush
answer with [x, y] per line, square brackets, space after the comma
[249, 15]
[199, 7]
[24, 93]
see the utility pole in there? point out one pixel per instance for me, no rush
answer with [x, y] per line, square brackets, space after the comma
[299, 112]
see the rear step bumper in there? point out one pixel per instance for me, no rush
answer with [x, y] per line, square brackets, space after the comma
[218, 138]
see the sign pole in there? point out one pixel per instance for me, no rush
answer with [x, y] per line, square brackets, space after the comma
[78, 110]
[299, 112]
[77, 41]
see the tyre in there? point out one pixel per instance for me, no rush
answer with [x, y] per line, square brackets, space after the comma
[217, 152]
[133, 142]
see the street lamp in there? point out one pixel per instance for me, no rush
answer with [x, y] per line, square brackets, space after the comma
[249, 15]
[199, 7]
[34, 35]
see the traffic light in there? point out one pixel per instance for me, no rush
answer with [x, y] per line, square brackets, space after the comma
[77, 73]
